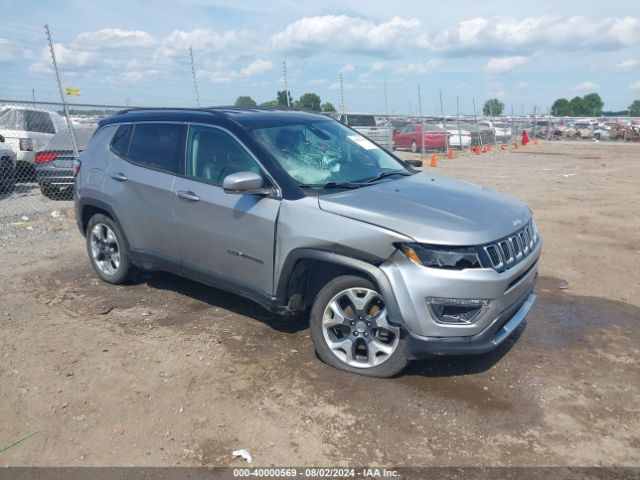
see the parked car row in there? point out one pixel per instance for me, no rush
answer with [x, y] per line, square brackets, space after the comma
[36, 145]
[434, 137]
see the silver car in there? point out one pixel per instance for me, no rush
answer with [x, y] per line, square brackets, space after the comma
[303, 214]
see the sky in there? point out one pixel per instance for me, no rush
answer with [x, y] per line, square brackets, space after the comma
[137, 52]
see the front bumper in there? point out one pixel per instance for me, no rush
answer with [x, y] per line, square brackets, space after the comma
[490, 338]
[508, 296]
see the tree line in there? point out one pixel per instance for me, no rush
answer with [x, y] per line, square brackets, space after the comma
[307, 101]
[589, 105]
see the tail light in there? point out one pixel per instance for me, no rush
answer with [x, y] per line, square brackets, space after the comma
[76, 168]
[45, 157]
[26, 145]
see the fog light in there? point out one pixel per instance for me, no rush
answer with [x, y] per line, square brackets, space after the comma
[456, 311]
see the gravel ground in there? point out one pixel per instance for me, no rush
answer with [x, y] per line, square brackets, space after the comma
[168, 372]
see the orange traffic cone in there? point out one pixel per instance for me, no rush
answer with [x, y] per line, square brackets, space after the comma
[434, 160]
[450, 155]
[525, 137]
[535, 142]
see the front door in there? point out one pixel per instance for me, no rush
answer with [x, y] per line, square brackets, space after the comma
[224, 237]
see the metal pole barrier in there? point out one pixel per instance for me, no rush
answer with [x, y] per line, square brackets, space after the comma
[475, 115]
[64, 104]
[513, 125]
[535, 121]
[444, 125]
[458, 118]
[422, 146]
[493, 127]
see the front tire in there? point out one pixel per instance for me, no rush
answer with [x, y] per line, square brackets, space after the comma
[414, 146]
[108, 250]
[350, 329]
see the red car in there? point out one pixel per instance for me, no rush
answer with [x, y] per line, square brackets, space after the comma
[410, 137]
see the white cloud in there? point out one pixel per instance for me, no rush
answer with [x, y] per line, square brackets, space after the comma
[347, 68]
[421, 68]
[377, 66]
[130, 77]
[115, 38]
[341, 33]
[627, 65]
[635, 85]
[504, 64]
[317, 81]
[39, 68]
[503, 34]
[6, 51]
[587, 85]
[257, 67]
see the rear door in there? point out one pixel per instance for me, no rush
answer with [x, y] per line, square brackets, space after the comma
[225, 237]
[139, 184]
[40, 127]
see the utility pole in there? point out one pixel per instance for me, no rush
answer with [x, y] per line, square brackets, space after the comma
[419, 102]
[64, 104]
[33, 96]
[286, 83]
[341, 94]
[193, 74]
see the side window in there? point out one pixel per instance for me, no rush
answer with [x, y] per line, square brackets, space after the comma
[39, 122]
[212, 154]
[120, 140]
[158, 145]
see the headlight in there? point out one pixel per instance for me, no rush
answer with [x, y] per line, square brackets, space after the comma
[452, 258]
[536, 235]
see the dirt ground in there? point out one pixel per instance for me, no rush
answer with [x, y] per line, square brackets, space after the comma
[169, 372]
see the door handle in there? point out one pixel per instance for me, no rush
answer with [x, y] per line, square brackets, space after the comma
[121, 177]
[192, 197]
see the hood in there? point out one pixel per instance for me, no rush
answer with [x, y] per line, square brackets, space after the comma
[432, 209]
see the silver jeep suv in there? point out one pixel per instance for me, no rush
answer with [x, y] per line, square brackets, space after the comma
[300, 213]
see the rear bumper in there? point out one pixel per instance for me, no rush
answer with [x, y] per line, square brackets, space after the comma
[487, 340]
[52, 176]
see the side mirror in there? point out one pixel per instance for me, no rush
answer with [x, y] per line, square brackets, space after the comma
[414, 163]
[245, 183]
[1, 139]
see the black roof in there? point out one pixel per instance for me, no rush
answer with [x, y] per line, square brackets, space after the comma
[245, 117]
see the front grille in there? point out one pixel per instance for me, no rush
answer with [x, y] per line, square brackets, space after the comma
[508, 251]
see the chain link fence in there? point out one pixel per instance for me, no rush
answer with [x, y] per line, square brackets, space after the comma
[38, 145]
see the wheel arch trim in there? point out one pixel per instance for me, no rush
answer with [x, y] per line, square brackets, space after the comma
[371, 271]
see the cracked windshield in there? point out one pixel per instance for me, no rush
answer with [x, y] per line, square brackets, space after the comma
[317, 153]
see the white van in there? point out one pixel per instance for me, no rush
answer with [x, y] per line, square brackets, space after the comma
[27, 130]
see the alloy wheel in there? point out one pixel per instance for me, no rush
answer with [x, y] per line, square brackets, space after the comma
[356, 329]
[105, 249]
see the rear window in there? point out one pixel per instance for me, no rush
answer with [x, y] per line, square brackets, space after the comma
[39, 122]
[361, 121]
[158, 145]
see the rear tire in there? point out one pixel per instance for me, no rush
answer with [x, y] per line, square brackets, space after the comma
[108, 250]
[350, 331]
[414, 146]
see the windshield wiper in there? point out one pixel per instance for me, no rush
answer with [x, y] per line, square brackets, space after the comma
[331, 185]
[382, 175]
